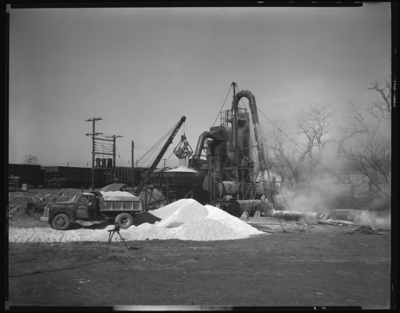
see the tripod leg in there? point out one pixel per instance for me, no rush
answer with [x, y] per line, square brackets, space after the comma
[123, 240]
[110, 238]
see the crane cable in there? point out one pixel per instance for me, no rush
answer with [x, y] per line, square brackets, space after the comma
[152, 148]
[222, 105]
[156, 145]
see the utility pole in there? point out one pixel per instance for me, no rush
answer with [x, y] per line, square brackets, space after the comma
[93, 120]
[164, 162]
[114, 155]
[133, 167]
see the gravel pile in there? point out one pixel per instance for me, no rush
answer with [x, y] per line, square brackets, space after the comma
[185, 219]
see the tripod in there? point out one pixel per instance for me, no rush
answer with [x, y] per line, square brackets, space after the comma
[111, 234]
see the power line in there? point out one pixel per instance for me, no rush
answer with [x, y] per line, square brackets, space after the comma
[138, 146]
[48, 109]
[102, 125]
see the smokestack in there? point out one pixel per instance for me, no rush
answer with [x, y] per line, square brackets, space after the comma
[254, 116]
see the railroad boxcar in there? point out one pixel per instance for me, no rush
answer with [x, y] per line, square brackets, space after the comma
[32, 175]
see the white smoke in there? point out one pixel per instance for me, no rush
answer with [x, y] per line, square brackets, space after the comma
[317, 195]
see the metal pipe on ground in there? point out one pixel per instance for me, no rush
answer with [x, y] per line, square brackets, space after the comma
[253, 205]
[308, 217]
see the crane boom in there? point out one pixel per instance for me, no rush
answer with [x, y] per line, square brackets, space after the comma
[159, 156]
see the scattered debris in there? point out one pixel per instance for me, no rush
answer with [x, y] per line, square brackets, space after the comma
[367, 230]
[382, 232]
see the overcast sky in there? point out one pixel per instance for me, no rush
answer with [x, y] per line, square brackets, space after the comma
[141, 70]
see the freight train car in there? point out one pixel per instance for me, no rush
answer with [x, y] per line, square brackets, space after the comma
[32, 175]
[72, 177]
[124, 174]
[78, 177]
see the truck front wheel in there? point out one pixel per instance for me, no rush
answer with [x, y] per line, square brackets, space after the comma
[124, 220]
[61, 222]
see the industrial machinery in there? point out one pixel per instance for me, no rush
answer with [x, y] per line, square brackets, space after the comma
[183, 150]
[223, 172]
[232, 181]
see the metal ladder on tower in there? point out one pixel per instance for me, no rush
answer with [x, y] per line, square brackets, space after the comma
[247, 211]
[258, 213]
[212, 186]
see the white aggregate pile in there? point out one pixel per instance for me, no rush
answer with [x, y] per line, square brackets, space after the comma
[185, 219]
[118, 196]
[182, 211]
[181, 169]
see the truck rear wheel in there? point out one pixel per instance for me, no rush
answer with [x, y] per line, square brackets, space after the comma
[124, 220]
[61, 222]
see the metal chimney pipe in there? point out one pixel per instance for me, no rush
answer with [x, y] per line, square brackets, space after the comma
[254, 116]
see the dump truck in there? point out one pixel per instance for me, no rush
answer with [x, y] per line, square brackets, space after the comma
[114, 206]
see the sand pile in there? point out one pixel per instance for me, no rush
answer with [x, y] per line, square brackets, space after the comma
[185, 219]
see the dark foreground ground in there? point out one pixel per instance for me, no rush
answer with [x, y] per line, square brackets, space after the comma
[328, 267]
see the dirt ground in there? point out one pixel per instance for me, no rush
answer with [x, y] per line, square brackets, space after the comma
[302, 266]
[325, 267]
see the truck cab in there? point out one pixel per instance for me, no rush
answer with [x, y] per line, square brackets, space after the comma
[87, 205]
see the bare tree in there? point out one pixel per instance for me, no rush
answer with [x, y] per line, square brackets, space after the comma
[347, 129]
[299, 154]
[314, 126]
[382, 107]
[371, 152]
[284, 156]
[30, 160]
